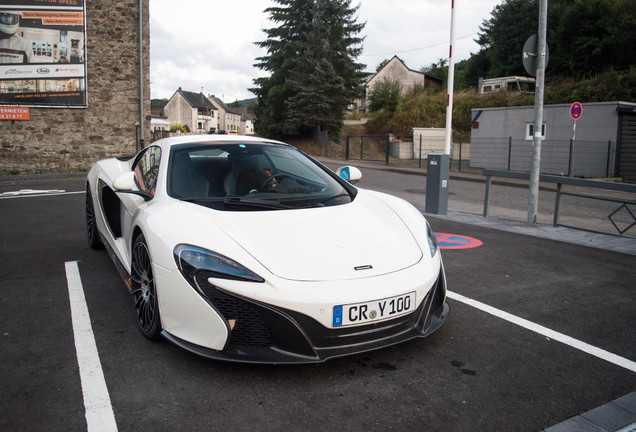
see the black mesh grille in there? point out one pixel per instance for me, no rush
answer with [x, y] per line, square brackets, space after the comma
[248, 327]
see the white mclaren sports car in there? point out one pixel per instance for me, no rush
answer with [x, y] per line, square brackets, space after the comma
[246, 249]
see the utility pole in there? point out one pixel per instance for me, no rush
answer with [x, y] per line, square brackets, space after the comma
[438, 165]
[535, 170]
[141, 75]
[450, 85]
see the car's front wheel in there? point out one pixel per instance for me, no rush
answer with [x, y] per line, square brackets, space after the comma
[143, 290]
[91, 228]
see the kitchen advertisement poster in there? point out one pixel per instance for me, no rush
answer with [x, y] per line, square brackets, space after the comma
[42, 53]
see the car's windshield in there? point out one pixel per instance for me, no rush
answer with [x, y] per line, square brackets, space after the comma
[250, 176]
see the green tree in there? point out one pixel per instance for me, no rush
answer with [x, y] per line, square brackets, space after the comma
[503, 35]
[438, 70]
[585, 37]
[382, 64]
[385, 94]
[592, 36]
[158, 103]
[313, 73]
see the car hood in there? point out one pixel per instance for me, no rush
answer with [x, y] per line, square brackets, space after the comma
[361, 239]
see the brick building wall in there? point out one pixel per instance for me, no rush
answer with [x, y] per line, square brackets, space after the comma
[72, 139]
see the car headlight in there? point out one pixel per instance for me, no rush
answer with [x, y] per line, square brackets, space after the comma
[432, 240]
[192, 260]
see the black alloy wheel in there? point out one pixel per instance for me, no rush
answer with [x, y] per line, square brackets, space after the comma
[91, 228]
[143, 290]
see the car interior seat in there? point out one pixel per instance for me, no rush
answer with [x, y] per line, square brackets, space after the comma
[242, 178]
[185, 181]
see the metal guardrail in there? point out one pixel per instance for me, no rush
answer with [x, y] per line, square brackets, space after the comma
[560, 181]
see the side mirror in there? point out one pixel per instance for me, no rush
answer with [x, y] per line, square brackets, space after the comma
[125, 183]
[349, 173]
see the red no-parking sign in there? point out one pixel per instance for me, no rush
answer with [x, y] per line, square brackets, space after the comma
[576, 110]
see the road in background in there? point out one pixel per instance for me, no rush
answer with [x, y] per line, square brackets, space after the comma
[508, 199]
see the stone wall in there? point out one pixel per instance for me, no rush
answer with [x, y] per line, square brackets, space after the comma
[72, 139]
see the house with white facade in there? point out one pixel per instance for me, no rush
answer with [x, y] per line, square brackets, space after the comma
[193, 110]
[396, 70]
[229, 118]
[247, 121]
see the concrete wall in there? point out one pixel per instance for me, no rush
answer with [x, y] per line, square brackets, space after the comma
[56, 139]
[502, 135]
[433, 140]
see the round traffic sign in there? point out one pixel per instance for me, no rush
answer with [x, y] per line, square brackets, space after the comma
[576, 110]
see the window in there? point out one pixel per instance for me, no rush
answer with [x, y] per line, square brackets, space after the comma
[146, 168]
[530, 131]
[251, 176]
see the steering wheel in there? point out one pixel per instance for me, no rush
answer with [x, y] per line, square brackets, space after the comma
[272, 181]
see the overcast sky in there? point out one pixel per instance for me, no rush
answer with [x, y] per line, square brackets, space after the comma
[208, 46]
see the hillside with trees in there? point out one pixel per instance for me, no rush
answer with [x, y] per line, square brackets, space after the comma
[314, 74]
[592, 59]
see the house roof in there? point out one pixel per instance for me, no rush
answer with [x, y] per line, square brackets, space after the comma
[244, 113]
[221, 105]
[196, 100]
[425, 75]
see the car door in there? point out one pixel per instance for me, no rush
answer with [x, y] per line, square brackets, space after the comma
[146, 169]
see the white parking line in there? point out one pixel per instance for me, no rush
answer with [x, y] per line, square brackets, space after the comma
[30, 193]
[554, 335]
[99, 410]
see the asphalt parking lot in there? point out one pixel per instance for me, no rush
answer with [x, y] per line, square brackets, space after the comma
[541, 331]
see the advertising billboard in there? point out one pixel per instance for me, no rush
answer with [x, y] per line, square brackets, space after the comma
[42, 53]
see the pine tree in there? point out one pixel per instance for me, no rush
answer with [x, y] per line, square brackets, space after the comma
[311, 61]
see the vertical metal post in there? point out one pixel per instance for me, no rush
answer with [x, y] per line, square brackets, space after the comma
[460, 152]
[487, 196]
[533, 197]
[509, 151]
[557, 205]
[388, 143]
[609, 155]
[450, 84]
[361, 147]
[420, 161]
[571, 158]
[141, 74]
[347, 149]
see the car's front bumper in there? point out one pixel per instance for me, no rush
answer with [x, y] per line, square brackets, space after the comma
[262, 333]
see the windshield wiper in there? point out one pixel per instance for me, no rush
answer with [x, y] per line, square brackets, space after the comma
[334, 197]
[237, 201]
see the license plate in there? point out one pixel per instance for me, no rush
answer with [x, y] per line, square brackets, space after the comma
[375, 310]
